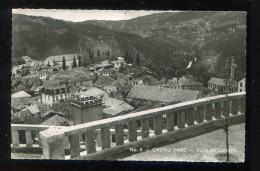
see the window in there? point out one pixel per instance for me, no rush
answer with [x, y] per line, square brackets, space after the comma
[240, 90]
[74, 83]
[61, 96]
[81, 83]
[57, 98]
[53, 98]
[241, 84]
[48, 97]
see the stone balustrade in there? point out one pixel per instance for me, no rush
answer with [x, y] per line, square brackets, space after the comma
[168, 121]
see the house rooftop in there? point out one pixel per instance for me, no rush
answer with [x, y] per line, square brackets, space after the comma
[68, 57]
[158, 94]
[20, 94]
[217, 81]
[95, 92]
[57, 120]
[102, 81]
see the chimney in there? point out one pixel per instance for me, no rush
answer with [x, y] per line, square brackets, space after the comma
[86, 109]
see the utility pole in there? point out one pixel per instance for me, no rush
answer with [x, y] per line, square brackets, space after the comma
[227, 123]
[232, 73]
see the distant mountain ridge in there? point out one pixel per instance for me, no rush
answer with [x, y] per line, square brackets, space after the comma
[165, 41]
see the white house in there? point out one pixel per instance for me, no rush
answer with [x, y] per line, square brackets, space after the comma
[54, 93]
[118, 63]
[57, 60]
[110, 88]
[242, 85]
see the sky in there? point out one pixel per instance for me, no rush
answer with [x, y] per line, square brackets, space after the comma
[83, 15]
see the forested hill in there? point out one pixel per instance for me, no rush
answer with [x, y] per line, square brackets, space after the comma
[166, 42]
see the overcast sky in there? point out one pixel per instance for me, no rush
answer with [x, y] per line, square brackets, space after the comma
[82, 15]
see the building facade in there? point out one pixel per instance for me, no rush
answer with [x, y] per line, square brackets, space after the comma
[242, 85]
[53, 94]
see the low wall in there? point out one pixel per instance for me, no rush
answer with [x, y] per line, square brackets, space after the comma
[164, 139]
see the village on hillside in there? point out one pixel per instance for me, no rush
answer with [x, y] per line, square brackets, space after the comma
[43, 92]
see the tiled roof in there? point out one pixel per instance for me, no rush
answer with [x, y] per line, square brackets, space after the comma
[116, 110]
[57, 120]
[33, 109]
[101, 65]
[192, 82]
[217, 81]
[93, 92]
[151, 93]
[102, 81]
[20, 94]
[68, 57]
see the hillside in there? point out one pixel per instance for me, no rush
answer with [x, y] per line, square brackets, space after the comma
[166, 42]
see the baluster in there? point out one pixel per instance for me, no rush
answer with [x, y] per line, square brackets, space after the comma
[145, 128]
[74, 146]
[98, 138]
[119, 134]
[242, 105]
[190, 116]
[40, 141]
[217, 110]
[181, 119]
[132, 131]
[157, 124]
[105, 137]
[28, 137]
[226, 108]
[208, 112]
[170, 121]
[90, 142]
[200, 114]
[15, 138]
[234, 106]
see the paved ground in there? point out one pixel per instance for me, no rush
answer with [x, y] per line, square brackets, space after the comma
[209, 147]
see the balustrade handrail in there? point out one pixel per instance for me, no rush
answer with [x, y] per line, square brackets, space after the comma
[105, 123]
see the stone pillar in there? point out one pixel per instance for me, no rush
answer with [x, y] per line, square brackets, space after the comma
[145, 128]
[28, 136]
[15, 138]
[40, 141]
[181, 119]
[208, 112]
[200, 114]
[74, 146]
[90, 142]
[170, 119]
[52, 143]
[98, 138]
[190, 116]
[119, 134]
[132, 131]
[234, 106]
[226, 108]
[217, 110]
[242, 105]
[105, 137]
[157, 120]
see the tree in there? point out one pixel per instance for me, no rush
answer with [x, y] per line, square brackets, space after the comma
[79, 64]
[137, 61]
[108, 53]
[91, 56]
[64, 64]
[74, 64]
[98, 53]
